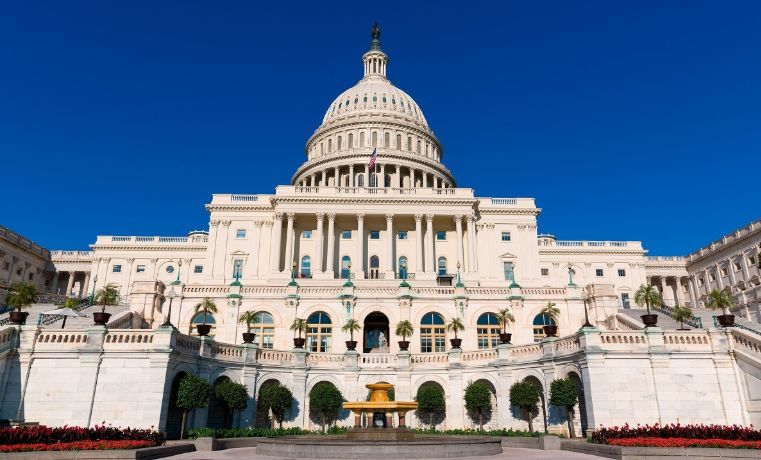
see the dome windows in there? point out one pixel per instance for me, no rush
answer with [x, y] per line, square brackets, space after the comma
[393, 100]
[375, 98]
[356, 99]
[365, 99]
[384, 99]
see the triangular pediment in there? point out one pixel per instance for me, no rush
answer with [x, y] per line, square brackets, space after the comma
[239, 253]
[507, 255]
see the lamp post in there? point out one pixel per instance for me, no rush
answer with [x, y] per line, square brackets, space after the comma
[570, 275]
[293, 270]
[179, 268]
[92, 296]
[170, 295]
[586, 312]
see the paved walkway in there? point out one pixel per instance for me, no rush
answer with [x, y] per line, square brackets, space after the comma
[249, 453]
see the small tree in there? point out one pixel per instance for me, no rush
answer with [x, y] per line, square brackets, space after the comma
[525, 396]
[647, 296]
[193, 393]
[478, 400]
[455, 324]
[681, 314]
[720, 300]
[299, 325]
[552, 311]
[276, 398]
[351, 326]
[22, 296]
[430, 399]
[233, 396]
[563, 393]
[207, 306]
[107, 295]
[248, 318]
[325, 399]
[404, 329]
[505, 318]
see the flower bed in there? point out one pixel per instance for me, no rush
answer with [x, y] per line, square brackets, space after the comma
[40, 437]
[676, 435]
[685, 442]
[221, 433]
[76, 445]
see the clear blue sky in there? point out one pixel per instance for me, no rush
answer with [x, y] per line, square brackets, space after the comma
[625, 120]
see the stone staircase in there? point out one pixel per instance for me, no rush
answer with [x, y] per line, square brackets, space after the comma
[80, 323]
[705, 315]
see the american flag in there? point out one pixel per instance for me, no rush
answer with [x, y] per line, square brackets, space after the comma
[373, 158]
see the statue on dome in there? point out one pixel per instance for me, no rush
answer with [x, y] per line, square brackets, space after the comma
[375, 34]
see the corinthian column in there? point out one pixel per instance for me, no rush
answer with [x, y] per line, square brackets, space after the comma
[329, 261]
[472, 259]
[359, 262]
[458, 227]
[418, 243]
[289, 242]
[318, 243]
[277, 232]
[430, 266]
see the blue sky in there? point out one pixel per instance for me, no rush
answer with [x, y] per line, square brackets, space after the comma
[626, 120]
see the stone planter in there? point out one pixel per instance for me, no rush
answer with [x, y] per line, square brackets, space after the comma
[550, 331]
[404, 345]
[726, 320]
[101, 318]
[203, 329]
[18, 317]
[248, 337]
[455, 343]
[649, 320]
[505, 337]
[351, 345]
[299, 342]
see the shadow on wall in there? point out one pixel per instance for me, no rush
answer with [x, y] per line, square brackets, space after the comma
[11, 402]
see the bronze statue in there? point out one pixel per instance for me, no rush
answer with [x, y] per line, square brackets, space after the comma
[375, 34]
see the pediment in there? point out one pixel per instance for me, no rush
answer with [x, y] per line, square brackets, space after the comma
[239, 253]
[507, 255]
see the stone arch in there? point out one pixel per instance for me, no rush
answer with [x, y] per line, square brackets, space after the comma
[474, 312]
[314, 417]
[376, 328]
[581, 421]
[541, 414]
[262, 418]
[174, 413]
[436, 417]
[490, 417]
[422, 311]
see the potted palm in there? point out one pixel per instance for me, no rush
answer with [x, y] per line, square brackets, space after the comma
[404, 329]
[681, 314]
[455, 324]
[551, 330]
[351, 326]
[722, 299]
[21, 296]
[206, 306]
[248, 318]
[505, 317]
[107, 295]
[298, 326]
[648, 296]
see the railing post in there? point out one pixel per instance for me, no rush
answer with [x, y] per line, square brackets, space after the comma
[352, 360]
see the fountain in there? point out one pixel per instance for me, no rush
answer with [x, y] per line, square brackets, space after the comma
[381, 426]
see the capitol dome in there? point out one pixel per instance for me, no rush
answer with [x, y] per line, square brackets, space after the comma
[374, 116]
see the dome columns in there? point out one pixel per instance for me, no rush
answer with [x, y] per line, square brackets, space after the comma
[387, 175]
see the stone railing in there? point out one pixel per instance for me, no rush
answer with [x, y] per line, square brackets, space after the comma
[371, 191]
[224, 352]
[60, 340]
[746, 341]
[428, 359]
[512, 202]
[526, 352]
[623, 340]
[127, 338]
[157, 240]
[19, 241]
[186, 343]
[725, 240]
[326, 359]
[567, 345]
[58, 256]
[274, 357]
[122, 320]
[687, 340]
[377, 360]
[621, 322]
[629, 245]
[480, 355]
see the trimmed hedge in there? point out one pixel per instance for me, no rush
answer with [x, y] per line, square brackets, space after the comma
[507, 433]
[257, 432]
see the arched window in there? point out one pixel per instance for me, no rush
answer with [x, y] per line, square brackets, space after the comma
[487, 328]
[319, 332]
[375, 139]
[306, 267]
[433, 335]
[403, 267]
[351, 140]
[361, 139]
[264, 328]
[387, 140]
[374, 267]
[339, 142]
[345, 262]
[539, 322]
[442, 266]
[203, 318]
[398, 141]
[360, 180]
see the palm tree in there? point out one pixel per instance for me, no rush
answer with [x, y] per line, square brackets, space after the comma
[505, 317]
[107, 295]
[248, 318]
[720, 299]
[647, 296]
[455, 324]
[551, 310]
[681, 314]
[404, 329]
[207, 306]
[351, 326]
[299, 325]
[22, 296]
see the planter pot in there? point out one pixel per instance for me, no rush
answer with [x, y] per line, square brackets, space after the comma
[100, 318]
[248, 337]
[18, 317]
[726, 320]
[649, 320]
[505, 337]
[351, 345]
[203, 329]
[299, 343]
[550, 331]
[455, 343]
[404, 345]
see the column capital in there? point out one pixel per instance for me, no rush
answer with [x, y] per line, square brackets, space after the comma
[320, 216]
[331, 216]
[258, 223]
[471, 218]
[429, 218]
[389, 216]
[291, 216]
[278, 216]
[214, 223]
[360, 216]
[418, 217]
[457, 218]
[226, 223]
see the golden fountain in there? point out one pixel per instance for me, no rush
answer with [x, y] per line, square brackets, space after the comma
[382, 410]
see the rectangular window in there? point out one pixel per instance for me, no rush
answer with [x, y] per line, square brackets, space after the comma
[238, 268]
[346, 235]
[724, 271]
[117, 269]
[306, 234]
[140, 269]
[545, 272]
[7, 266]
[240, 233]
[505, 236]
[598, 272]
[712, 277]
[402, 235]
[701, 282]
[374, 234]
[508, 269]
[752, 260]
[621, 272]
[737, 267]
[441, 236]
[625, 300]
[198, 269]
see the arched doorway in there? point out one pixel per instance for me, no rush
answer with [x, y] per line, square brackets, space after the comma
[431, 416]
[491, 416]
[581, 408]
[374, 267]
[174, 413]
[217, 415]
[375, 333]
[542, 409]
[263, 417]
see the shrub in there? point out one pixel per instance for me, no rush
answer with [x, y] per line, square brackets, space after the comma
[277, 398]
[76, 445]
[41, 434]
[563, 393]
[525, 396]
[193, 393]
[727, 432]
[430, 400]
[232, 395]
[257, 432]
[325, 399]
[509, 432]
[478, 400]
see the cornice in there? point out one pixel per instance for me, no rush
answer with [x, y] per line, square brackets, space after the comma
[633, 252]
[137, 247]
[279, 200]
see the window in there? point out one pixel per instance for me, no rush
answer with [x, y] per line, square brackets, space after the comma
[701, 282]
[374, 267]
[306, 234]
[31, 276]
[140, 269]
[432, 334]
[374, 234]
[441, 236]
[240, 233]
[545, 272]
[198, 269]
[7, 266]
[488, 329]
[712, 276]
[319, 332]
[306, 267]
[507, 268]
[598, 272]
[402, 235]
[264, 328]
[539, 322]
[345, 262]
[752, 260]
[442, 266]
[117, 269]
[505, 236]
[170, 269]
[202, 318]
[621, 272]
[723, 271]
[737, 266]
[346, 235]
[361, 180]
[373, 180]
[625, 300]
[403, 267]
[238, 268]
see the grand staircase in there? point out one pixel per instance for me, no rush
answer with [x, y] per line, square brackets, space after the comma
[36, 315]
[702, 318]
